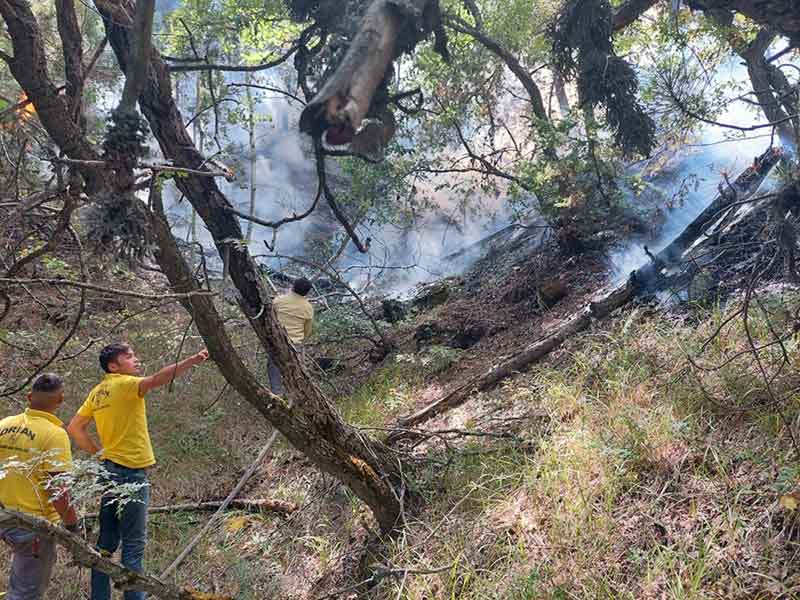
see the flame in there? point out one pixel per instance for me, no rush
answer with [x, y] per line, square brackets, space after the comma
[19, 114]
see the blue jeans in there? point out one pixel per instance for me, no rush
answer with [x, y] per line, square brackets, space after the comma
[127, 524]
[32, 564]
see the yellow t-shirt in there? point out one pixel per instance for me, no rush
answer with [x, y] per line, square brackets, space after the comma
[37, 439]
[296, 314]
[120, 416]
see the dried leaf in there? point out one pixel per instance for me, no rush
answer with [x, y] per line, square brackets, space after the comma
[789, 501]
[235, 524]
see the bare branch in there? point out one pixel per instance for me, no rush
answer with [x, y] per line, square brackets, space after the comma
[255, 506]
[86, 556]
[99, 288]
[73, 329]
[206, 66]
[269, 89]
[331, 198]
[279, 223]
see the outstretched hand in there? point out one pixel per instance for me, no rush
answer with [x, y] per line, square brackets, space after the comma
[200, 357]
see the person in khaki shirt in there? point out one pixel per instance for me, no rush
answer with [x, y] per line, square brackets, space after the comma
[117, 406]
[34, 447]
[296, 314]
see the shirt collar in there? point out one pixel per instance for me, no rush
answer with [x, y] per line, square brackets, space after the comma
[41, 414]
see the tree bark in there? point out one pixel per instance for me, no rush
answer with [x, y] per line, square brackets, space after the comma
[561, 93]
[770, 86]
[346, 96]
[783, 15]
[313, 424]
[72, 48]
[251, 130]
[136, 74]
[629, 13]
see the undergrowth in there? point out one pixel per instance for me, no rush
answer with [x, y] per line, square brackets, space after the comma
[659, 477]
[616, 469]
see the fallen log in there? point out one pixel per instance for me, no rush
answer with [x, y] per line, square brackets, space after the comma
[658, 275]
[255, 506]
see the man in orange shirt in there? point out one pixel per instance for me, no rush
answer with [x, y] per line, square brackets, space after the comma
[118, 408]
[296, 314]
[34, 447]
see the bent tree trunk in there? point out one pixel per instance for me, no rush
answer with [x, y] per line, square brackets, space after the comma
[309, 420]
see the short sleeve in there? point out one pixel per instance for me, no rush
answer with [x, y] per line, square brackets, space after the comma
[87, 408]
[59, 454]
[129, 386]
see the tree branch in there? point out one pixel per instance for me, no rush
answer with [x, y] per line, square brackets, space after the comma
[269, 89]
[72, 46]
[255, 506]
[285, 220]
[206, 66]
[86, 556]
[496, 48]
[136, 73]
[98, 288]
[331, 199]
[629, 13]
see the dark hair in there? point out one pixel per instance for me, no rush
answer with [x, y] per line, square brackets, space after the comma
[301, 286]
[110, 353]
[48, 382]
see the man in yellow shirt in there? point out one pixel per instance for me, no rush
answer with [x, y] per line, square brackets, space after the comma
[33, 447]
[296, 314]
[118, 408]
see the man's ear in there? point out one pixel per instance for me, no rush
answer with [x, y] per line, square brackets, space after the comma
[30, 394]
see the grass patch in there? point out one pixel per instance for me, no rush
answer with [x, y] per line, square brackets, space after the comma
[657, 479]
[387, 392]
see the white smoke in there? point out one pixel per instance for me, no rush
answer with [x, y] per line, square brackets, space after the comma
[718, 151]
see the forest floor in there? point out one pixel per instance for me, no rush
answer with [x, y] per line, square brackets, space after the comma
[615, 468]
